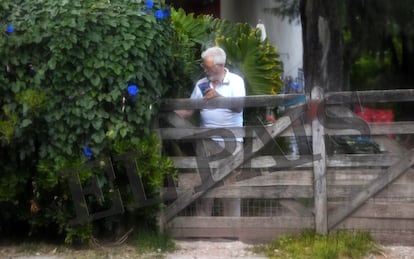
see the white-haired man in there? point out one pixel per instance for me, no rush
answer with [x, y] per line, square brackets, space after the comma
[218, 82]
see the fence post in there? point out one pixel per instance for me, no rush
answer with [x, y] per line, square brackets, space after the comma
[319, 165]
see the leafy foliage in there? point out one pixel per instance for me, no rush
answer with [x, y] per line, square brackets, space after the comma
[377, 36]
[257, 62]
[64, 91]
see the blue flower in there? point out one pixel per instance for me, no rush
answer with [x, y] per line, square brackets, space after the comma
[159, 14]
[149, 4]
[132, 90]
[87, 151]
[167, 12]
[9, 29]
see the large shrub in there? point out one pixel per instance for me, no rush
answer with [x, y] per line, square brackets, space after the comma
[80, 79]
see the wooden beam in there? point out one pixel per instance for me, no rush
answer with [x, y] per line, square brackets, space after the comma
[375, 96]
[369, 191]
[261, 192]
[227, 102]
[319, 168]
[396, 128]
[291, 222]
[304, 161]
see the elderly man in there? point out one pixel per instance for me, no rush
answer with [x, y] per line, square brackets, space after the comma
[218, 82]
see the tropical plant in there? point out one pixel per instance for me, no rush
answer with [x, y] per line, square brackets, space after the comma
[256, 61]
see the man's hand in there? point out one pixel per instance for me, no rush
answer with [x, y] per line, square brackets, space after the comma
[184, 113]
[210, 93]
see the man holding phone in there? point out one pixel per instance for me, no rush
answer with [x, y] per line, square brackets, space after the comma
[218, 82]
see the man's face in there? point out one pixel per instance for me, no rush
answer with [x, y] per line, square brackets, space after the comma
[212, 72]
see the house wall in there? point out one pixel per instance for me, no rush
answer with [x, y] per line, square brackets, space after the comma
[285, 36]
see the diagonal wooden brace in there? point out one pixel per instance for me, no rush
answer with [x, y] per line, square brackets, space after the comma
[227, 165]
[392, 173]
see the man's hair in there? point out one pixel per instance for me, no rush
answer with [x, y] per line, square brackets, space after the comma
[217, 53]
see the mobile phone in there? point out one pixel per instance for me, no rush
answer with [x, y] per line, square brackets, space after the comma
[204, 87]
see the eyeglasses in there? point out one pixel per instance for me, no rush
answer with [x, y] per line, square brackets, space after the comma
[203, 66]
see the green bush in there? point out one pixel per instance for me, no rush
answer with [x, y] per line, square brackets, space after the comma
[67, 67]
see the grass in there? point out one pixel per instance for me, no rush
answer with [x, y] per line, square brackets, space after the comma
[152, 241]
[309, 244]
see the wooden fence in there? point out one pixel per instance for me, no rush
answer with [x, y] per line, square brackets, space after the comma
[325, 189]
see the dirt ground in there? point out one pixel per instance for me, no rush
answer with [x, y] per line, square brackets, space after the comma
[187, 249]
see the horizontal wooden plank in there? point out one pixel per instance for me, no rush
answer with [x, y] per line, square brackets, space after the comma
[400, 191]
[377, 224]
[290, 222]
[364, 176]
[265, 192]
[385, 210]
[346, 97]
[227, 102]
[394, 191]
[251, 235]
[304, 161]
[396, 128]
[335, 177]
[396, 238]
[280, 178]
[362, 160]
[372, 96]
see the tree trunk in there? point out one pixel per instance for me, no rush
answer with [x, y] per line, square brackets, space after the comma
[322, 44]
[407, 66]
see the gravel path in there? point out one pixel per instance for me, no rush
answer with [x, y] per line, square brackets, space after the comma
[202, 249]
[187, 249]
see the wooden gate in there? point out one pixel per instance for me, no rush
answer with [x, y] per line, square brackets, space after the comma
[325, 188]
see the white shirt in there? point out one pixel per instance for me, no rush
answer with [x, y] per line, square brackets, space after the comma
[231, 86]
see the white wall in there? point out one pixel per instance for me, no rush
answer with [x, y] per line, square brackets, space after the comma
[286, 37]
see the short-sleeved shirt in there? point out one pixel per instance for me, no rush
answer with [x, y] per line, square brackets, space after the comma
[231, 86]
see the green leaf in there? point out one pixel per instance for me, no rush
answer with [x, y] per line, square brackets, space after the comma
[96, 80]
[52, 63]
[94, 36]
[97, 124]
[98, 137]
[123, 132]
[117, 69]
[88, 72]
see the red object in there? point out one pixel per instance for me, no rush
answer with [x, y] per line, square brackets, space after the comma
[375, 115]
[270, 118]
[313, 110]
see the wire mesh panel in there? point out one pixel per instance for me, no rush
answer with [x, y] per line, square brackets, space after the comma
[261, 208]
